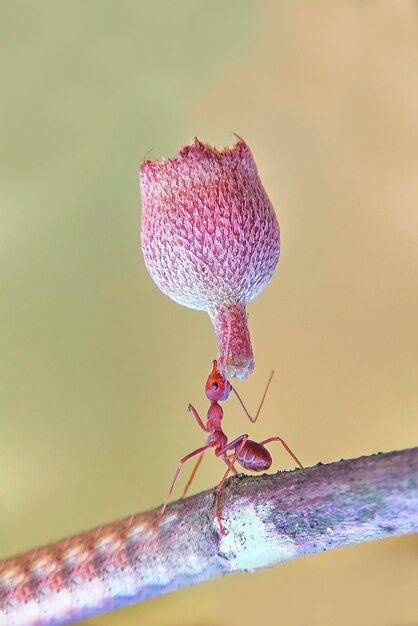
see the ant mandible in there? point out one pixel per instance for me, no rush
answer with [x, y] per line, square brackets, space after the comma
[251, 455]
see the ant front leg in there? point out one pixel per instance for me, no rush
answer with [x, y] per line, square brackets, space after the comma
[197, 418]
[285, 446]
[200, 451]
[237, 444]
[199, 460]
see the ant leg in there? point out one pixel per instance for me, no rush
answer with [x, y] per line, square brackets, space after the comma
[238, 444]
[177, 472]
[197, 418]
[196, 467]
[231, 445]
[285, 446]
[131, 519]
[227, 460]
[192, 475]
[254, 419]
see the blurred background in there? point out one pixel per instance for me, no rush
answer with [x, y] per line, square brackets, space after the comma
[97, 366]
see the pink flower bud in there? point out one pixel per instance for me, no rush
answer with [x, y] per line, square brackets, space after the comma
[211, 239]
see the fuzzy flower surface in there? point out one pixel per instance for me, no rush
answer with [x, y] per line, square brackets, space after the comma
[210, 239]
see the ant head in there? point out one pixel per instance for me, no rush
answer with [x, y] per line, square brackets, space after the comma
[217, 387]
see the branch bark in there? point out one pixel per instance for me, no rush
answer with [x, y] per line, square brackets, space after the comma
[269, 519]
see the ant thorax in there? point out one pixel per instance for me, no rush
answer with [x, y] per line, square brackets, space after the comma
[217, 439]
[215, 416]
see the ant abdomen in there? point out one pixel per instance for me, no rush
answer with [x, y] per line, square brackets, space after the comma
[254, 457]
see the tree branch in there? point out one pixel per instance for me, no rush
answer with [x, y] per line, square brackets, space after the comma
[269, 519]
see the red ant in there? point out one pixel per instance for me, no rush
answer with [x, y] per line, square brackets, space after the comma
[251, 455]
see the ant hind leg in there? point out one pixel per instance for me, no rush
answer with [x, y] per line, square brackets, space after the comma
[237, 444]
[285, 446]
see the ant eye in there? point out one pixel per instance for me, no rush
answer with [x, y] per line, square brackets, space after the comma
[215, 386]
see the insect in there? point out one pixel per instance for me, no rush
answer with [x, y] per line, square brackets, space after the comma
[251, 455]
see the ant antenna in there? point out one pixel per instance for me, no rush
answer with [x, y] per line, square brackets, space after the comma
[254, 419]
